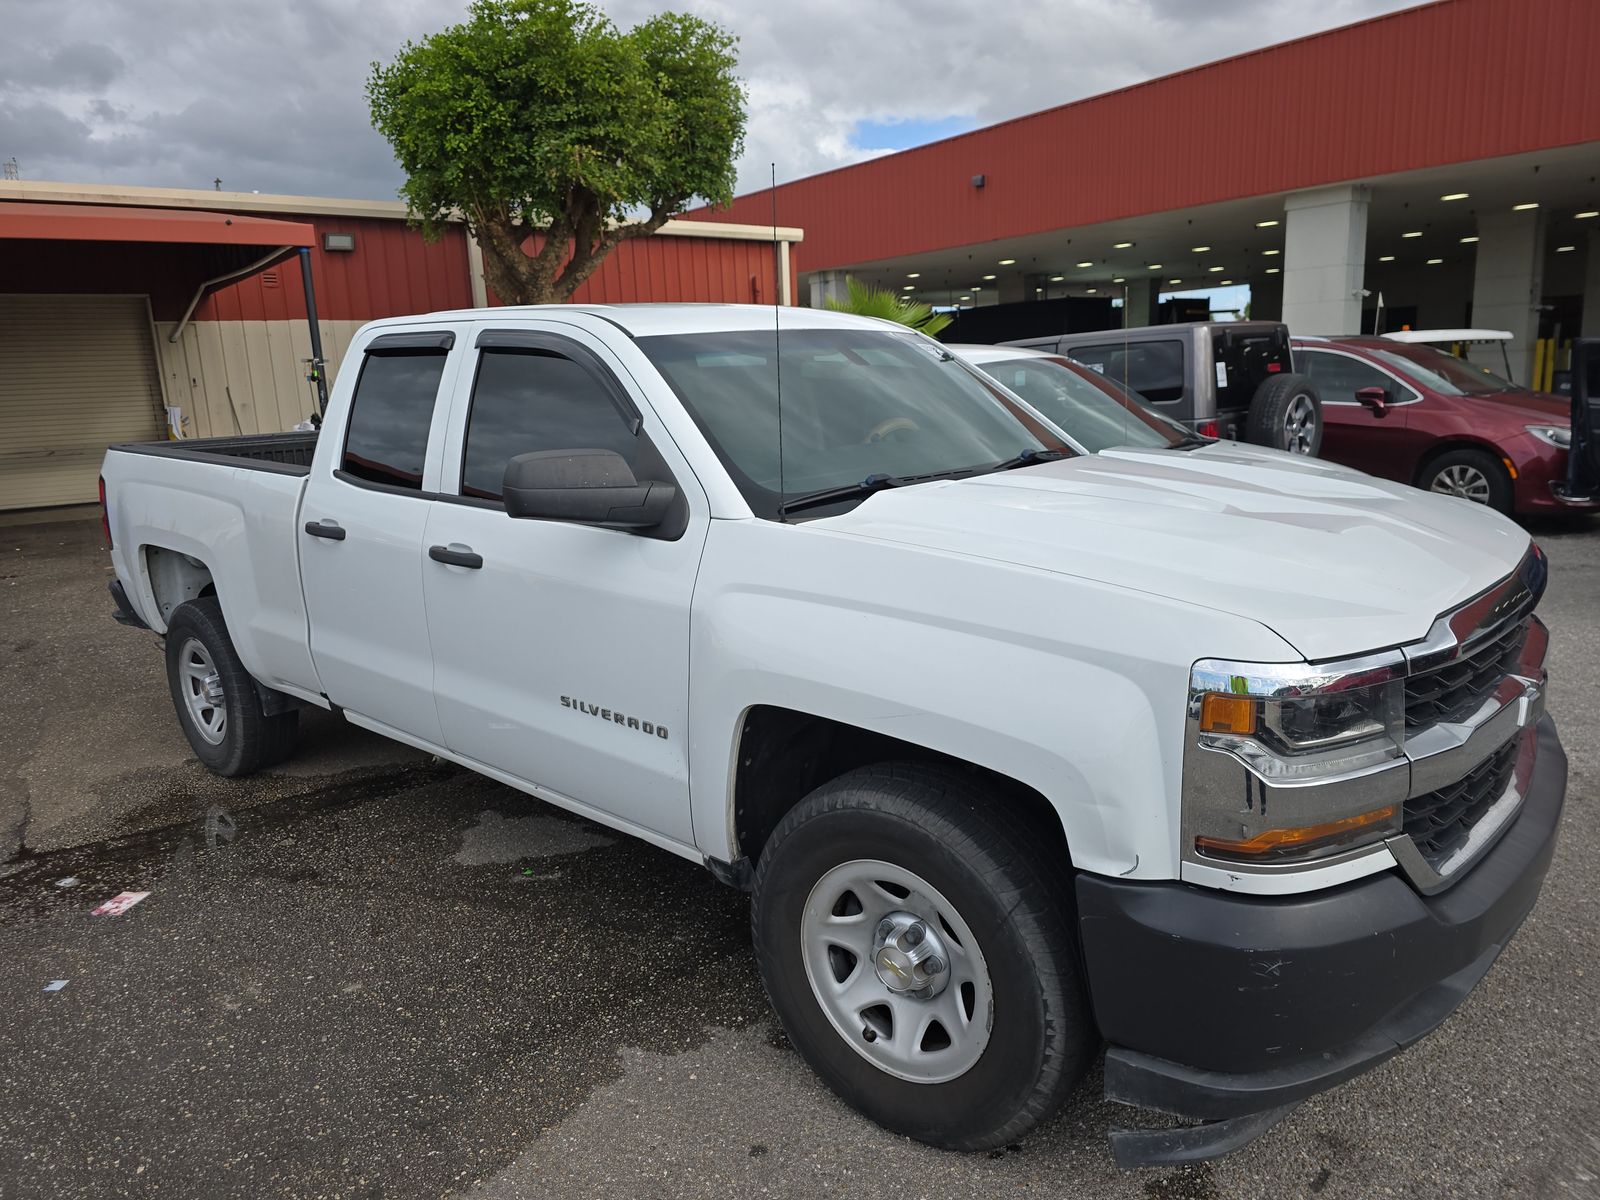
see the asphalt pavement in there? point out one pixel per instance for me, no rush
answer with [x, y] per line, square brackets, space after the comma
[367, 973]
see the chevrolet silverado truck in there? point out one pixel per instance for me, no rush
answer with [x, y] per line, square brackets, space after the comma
[1232, 762]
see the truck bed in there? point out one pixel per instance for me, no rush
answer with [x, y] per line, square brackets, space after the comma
[284, 453]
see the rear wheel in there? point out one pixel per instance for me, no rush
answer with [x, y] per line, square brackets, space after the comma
[1286, 414]
[1474, 475]
[217, 702]
[915, 938]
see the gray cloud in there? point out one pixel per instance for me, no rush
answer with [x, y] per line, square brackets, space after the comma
[270, 96]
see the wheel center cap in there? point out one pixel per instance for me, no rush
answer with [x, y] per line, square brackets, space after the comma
[909, 957]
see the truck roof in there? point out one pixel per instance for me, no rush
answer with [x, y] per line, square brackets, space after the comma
[646, 320]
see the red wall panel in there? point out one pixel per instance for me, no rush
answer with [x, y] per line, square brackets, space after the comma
[391, 272]
[1446, 82]
[674, 268]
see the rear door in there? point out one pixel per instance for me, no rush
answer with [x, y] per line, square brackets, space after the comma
[561, 651]
[1583, 460]
[1352, 433]
[361, 531]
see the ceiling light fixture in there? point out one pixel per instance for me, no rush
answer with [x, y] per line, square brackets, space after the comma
[1525, 207]
[913, 274]
[1455, 196]
[1085, 264]
[1214, 270]
[1155, 266]
[1122, 245]
[1564, 249]
[988, 276]
[1413, 233]
[910, 287]
[1226, 283]
[1587, 213]
[1089, 291]
[1174, 281]
[966, 297]
[1272, 270]
[1270, 253]
[1119, 279]
[1434, 262]
[1008, 262]
[1265, 224]
[1199, 249]
[1057, 278]
[1386, 258]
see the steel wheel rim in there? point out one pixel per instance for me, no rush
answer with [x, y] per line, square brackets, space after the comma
[1462, 480]
[201, 684]
[923, 1039]
[1300, 425]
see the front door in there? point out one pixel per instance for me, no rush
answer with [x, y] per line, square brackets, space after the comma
[361, 531]
[561, 651]
[1353, 434]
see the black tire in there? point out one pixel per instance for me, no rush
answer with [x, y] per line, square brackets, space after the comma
[987, 859]
[245, 739]
[1474, 475]
[1277, 409]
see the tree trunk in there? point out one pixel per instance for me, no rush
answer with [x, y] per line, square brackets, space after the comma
[574, 246]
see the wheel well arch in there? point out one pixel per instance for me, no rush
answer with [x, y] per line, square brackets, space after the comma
[782, 755]
[1451, 444]
[175, 577]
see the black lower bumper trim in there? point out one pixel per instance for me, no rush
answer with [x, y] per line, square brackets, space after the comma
[123, 614]
[1220, 1007]
[1191, 1143]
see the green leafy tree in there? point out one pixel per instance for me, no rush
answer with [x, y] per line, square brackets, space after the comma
[541, 116]
[868, 301]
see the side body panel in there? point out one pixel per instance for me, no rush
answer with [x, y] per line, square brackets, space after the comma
[1074, 688]
[241, 524]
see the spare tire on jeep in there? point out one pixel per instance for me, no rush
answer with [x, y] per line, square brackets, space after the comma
[1286, 414]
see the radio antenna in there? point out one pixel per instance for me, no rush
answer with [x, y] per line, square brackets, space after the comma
[777, 333]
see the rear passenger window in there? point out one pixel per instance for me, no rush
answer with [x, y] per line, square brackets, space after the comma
[527, 400]
[387, 438]
[1154, 369]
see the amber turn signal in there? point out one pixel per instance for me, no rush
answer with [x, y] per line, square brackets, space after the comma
[1271, 843]
[1222, 713]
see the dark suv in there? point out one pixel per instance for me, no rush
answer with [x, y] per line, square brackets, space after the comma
[1231, 379]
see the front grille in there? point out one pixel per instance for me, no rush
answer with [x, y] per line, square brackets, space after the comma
[1454, 691]
[1439, 821]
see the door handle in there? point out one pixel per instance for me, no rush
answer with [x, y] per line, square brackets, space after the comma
[331, 530]
[455, 558]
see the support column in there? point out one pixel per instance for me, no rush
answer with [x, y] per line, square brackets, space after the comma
[1324, 259]
[1139, 303]
[826, 286]
[1590, 324]
[1013, 288]
[1507, 284]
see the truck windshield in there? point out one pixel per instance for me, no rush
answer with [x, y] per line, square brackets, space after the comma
[1440, 372]
[858, 404]
[1092, 410]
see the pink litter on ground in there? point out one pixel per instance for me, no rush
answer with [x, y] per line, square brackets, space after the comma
[119, 903]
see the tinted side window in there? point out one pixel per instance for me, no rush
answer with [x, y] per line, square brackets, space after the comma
[524, 401]
[1153, 369]
[1338, 377]
[387, 439]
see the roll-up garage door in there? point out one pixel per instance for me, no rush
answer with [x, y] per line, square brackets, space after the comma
[77, 373]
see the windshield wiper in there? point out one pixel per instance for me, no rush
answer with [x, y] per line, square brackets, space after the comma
[1027, 458]
[1192, 441]
[848, 491]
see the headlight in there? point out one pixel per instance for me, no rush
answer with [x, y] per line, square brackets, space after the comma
[1552, 435]
[1312, 741]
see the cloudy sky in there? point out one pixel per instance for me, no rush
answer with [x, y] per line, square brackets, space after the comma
[267, 95]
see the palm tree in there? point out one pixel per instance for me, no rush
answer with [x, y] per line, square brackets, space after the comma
[868, 301]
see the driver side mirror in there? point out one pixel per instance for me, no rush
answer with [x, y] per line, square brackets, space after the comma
[1374, 399]
[586, 487]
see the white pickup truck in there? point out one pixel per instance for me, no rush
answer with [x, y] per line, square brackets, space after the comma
[1231, 761]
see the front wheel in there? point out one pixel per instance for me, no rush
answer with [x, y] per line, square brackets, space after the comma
[916, 942]
[1470, 474]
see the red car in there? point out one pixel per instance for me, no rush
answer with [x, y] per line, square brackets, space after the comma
[1406, 411]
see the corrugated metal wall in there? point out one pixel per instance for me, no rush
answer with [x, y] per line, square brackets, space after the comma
[1447, 82]
[683, 268]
